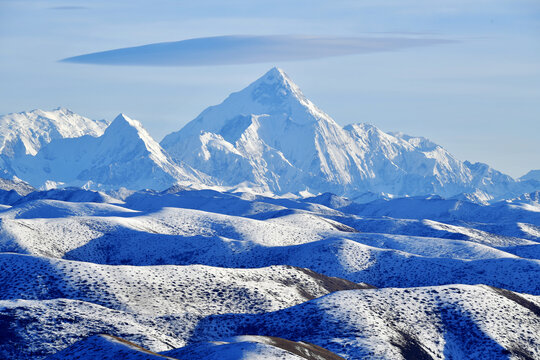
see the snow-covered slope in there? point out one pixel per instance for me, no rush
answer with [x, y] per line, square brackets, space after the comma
[191, 268]
[531, 175]
[498, 224]
[162, 307]
[271, 137]
[436, 208]
[124, 156]
[12, 190]
[266, 138]
[530, 198]
[164, 290]
[106, 347]
[452, 322]
[27, 132]
[16, 184]
[218, 229]
[153, 302]
[253, 348]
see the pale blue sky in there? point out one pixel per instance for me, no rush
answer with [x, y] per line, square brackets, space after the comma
[478, 96]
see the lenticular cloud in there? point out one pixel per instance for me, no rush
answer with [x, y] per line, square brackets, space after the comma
[244, 49]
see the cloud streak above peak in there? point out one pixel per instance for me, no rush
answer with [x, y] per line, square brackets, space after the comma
[247, 49]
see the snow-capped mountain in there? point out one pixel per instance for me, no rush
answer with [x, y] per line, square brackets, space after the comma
[531, 175]
[530, 198]
[270, 136]
[13, 190]
[267, 138]
[124, 156]
[27, 132]
[15, 184]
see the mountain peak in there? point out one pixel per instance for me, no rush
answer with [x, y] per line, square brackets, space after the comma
[123, 118]
[275, 85]
[62, 110]
[124, 155]
[275, 138]
[133, 135]
[26, 132]
[123, 123]
[275, 75]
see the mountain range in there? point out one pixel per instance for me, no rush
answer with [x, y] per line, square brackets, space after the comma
[204, 274]
[268, 138]
[125, 155]
[261, 230]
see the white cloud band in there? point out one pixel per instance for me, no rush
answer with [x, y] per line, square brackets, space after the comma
[246, 49]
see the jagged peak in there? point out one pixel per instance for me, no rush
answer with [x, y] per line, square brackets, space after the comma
[476, 166]
[275, 92]
[272, 94]
[58, 116]
[276, 75]
[41, 112]
[124, 118]
[275, 82]
[361, 127]
[370, 130]
[64, 110]
[132, 131]
[26, 132]
[123, 122]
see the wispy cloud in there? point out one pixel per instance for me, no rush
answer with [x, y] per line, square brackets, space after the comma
[245, 49]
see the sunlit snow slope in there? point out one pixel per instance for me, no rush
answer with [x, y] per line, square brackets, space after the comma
[124, 156]
[266, 138]
[270, 136]
[261, 230]
[26, 132]
[180, 272]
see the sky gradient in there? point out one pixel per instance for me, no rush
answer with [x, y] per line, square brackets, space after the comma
[476, 92]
